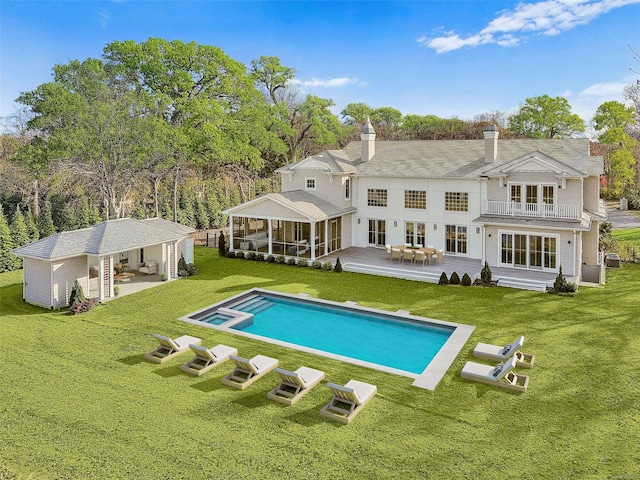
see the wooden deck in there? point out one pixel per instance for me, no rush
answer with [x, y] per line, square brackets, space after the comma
[375, 261]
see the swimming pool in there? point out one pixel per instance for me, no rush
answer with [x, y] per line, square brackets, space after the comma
[397, 342]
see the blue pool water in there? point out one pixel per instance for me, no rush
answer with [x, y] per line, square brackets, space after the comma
[377, 338]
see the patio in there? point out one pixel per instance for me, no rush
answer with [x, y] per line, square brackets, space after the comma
[127, 286]
[374, 261]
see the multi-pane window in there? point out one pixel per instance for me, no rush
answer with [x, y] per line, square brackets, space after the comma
[529, 251]
[377, 197]
[516, 193]
[415, 199]
[347, 189]
[310, 183]
[456, 201]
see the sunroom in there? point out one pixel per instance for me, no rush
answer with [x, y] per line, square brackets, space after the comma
[292, 223]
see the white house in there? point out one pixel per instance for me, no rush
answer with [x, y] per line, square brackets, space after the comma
[521, 204]
[90, 255]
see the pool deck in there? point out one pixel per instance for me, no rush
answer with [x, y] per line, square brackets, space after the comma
[428, 379]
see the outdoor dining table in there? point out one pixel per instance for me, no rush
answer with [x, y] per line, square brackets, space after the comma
[410, 250]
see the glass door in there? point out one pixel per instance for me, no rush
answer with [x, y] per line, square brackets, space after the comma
[456, 239]
[377, 232]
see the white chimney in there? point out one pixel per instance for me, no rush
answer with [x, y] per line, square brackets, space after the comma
[368, 139]
[490, 144]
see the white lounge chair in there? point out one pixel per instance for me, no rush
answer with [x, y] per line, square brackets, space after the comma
[503, 353]
[294, 385]
[348, 401]
[207, 358]
[170, 348]
[499, 375]
[248, 371]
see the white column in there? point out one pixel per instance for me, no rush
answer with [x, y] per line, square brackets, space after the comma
[230, 233]
[312, 233]
[270, 251]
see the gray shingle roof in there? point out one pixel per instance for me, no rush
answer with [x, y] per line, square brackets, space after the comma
[105, 238]
[463, 158]
[298, 201]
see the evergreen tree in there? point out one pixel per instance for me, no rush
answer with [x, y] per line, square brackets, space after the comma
[222, 245]
[7, 259]
[83, 213]
[95, 216]
[200, 214]
[45, 221]
[67, 220]
[19, 234]
[32, 228]
[185, 210]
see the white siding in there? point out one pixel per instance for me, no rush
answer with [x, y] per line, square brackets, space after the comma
[328, 188]
[65, 273]
[37, 282]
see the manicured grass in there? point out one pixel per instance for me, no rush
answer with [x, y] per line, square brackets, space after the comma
[79, 401]
[629, 236]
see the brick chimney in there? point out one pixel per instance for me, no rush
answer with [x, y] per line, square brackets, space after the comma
[490, 144]
[368, 139]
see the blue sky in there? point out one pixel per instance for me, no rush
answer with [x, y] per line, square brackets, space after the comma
[446, 58]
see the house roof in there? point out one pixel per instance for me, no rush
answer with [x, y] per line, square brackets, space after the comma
[105, 238]
[328, 161]
[298, 201]
[465, 158]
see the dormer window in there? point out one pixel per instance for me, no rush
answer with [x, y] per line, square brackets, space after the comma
[310, 183]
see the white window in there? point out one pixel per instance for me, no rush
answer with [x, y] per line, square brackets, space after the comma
[536, 252]
[310, 183]
[415, 199]
[347, 189]
[377, 197]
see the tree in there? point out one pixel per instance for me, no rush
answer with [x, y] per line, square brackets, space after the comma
[623, 171]
[546, 117]
[45, 221]
[7, 259]
[100, 127]
[614, 114]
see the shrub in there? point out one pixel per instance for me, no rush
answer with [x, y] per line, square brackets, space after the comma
[81, 307]
[77, 295]
[303, 262]
[222, 245]
[280, 259]
[327, 266]
[485, 274]
[455, 279]
[270, 258]
[259, 257]
[338, 267]
[443, 279]
[191, 269]
[466, 280]
[317, 264]
[251, 256]
[291, 261]
[231, 254]
[561, 285]
[182, 264]
[485, 277]
[239, 254]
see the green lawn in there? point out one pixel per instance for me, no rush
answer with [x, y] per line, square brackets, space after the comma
[630, 236]
[79, 401]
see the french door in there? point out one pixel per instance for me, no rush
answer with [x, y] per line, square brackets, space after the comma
[456, 239]
[536, 252]
[415, 233]
[377, 232]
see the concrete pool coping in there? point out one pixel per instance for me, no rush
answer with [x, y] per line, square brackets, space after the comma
[428, 379]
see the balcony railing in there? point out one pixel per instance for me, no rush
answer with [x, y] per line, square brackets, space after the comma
[539, 210]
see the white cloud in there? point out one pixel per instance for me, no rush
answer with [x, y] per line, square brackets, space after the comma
[549, 17]
[104, 17]
[330, 83]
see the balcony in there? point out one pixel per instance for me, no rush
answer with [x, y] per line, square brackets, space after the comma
[535, 210]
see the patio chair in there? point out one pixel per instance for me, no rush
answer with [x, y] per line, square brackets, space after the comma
[207, 358]
[407, 254]
[419, 256]
[388, 249]
[170, 348]
[294, 385]
[503, 353]
[149, 268]
[499, 375]
[249, 371]
[348, 401]
[396, 254]
[439, 256]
